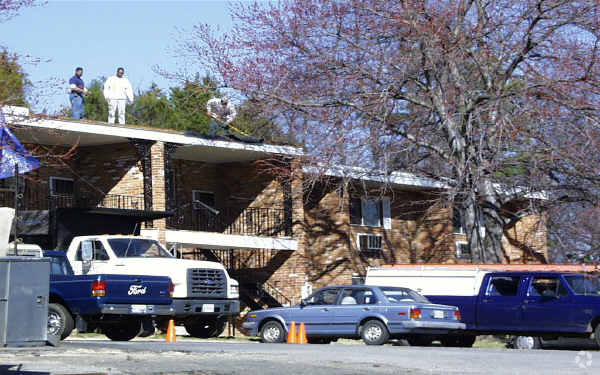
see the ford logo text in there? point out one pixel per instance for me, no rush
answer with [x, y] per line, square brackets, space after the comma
[134, 290]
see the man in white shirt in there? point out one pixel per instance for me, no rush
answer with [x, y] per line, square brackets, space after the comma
[117, 91]
[223, 110]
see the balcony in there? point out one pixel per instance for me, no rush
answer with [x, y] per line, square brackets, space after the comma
[251, 221]
[38, 197]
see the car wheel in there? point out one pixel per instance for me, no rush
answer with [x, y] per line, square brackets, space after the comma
[60, 321]
[526, 342]
[419, 340]
[374, 332]
[272, 332]
[123, 331]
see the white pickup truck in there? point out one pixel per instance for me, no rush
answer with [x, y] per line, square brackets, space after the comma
[204, 294]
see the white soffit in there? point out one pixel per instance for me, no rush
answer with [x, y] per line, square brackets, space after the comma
[210, 240]
[122, 132]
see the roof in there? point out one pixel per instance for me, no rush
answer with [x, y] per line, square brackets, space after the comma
[20, 116]
[499, 267]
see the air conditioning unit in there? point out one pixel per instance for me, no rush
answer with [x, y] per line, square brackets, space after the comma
[369, 242]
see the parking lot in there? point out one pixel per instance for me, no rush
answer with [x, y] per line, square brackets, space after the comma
[143, 356]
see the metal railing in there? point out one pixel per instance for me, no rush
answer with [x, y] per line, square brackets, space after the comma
[40, 198]
[255, 221]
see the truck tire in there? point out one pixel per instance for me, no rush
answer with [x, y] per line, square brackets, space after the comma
[122, 331]
[272, 332]
[458, 341]
[374, 332]
[597, 334]
[419, 340]
[526, 342]
[205, 328]
[60, 321]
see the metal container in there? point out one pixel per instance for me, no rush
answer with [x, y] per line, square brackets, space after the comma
[24, 285]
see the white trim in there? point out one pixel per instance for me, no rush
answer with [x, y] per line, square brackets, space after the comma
[459, 255]
[52, 178]
[210, 240]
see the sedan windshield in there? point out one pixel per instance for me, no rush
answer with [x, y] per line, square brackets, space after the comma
[586, 285]
[402, 295]
[137, 247]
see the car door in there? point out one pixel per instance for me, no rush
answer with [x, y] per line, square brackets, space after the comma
[499, 307]
[547, 304]
[317, 312]
[354, 304]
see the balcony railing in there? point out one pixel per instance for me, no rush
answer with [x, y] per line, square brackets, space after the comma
[252, 221]
[39, 198]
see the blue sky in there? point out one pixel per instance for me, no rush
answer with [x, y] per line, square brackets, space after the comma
[100, 36]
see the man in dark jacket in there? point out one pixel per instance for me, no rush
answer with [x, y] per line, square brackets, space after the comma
[78, 90]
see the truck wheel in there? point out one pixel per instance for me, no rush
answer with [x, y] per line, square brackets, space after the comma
[60, 321]
[123, 331]
[272, 332]
[206, 328]
[419, 340]
[526, 342]
[374, 332]
[597, 334]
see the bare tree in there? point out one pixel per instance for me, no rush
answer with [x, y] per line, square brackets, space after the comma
[474, 91]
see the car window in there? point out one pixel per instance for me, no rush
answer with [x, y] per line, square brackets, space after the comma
[99, 252]
[505, 286]
[58, 266]
[549, 284]
[323, 297]
[402, 295]
[587, 285]
[356, 296]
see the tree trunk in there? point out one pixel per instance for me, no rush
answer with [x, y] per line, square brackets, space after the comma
[493, 223]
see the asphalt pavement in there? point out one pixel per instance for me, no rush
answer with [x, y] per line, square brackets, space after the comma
[245, 358]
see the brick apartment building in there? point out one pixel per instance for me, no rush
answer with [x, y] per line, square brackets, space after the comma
[211, 199]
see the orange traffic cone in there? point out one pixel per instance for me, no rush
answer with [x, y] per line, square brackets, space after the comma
[291, 339]
[302, 335]
[171, 332]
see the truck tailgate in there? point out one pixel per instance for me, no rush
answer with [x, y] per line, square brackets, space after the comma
[137, 289]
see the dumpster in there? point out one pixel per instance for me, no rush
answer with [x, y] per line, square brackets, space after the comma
[24, 284]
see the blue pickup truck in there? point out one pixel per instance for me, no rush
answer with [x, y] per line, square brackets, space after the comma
[528, 305]
[119, 305]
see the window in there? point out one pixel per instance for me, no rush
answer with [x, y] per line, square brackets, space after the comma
[458, 222]
[136, 247]
[99, 251]
[61, 186]
[505, 286]
[369, 242]
[402, 295]
[358, 297]
[462, 250]
[550, 286]
[323, 297]
[370, 212]
[206, 197]
[586, 285]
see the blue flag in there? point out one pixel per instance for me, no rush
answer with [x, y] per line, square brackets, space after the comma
[13, 153]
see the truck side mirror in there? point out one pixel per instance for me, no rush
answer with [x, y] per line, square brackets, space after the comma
[87, 252]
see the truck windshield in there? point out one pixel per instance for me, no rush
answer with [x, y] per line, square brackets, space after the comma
[586, 285]
[402, 295]
[137, 247]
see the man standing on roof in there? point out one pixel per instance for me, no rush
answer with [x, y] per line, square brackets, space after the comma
[78, 90]
[117, 91]
[222, 112]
